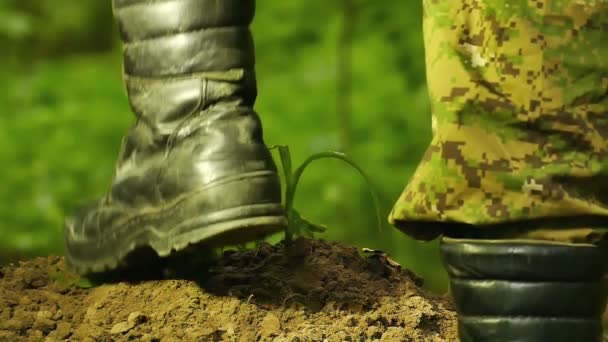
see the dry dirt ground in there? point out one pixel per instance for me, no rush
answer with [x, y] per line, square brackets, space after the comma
[312, 291]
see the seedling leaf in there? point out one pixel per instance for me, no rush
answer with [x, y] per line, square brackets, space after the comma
[297, 224]
[301, 226]
[341, 156]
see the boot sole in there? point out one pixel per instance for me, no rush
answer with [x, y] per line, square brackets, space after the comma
[224, 233]
[231, 226]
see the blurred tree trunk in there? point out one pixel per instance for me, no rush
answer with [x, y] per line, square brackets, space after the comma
[348, 12]
[32, 30]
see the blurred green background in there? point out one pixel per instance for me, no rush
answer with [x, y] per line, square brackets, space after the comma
[333, 75]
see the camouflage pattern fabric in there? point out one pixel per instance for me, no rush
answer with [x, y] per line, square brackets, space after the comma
[519, 94]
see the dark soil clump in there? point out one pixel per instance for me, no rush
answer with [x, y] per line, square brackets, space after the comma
[313, 291]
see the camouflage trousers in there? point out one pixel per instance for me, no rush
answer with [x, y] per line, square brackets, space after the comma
[519, 97]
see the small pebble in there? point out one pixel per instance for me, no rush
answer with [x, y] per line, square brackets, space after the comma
[121, 328]
[25, 300]
[270, 326]
[58, 315]
[63, 330]
[137, 318]
[44, 324]
[44, 314]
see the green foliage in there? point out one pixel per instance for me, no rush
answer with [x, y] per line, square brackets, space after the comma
[62, 125]
[64, 112]
[31, 29]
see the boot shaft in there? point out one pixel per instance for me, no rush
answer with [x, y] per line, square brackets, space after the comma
[190, 79]
[140, 20]
[182, 56]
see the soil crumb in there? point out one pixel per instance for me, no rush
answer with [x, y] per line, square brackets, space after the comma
[312, 291]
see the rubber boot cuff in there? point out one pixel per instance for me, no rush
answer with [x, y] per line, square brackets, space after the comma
[508, 290]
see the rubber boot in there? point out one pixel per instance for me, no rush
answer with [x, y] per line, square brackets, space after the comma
[194, 168]
[526, 291]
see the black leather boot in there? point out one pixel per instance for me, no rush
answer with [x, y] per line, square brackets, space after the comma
[194, 167]
[526, 291]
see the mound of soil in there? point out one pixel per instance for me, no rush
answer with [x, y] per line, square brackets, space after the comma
[312, 291]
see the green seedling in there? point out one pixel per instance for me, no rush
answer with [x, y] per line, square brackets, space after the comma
[297, 225]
